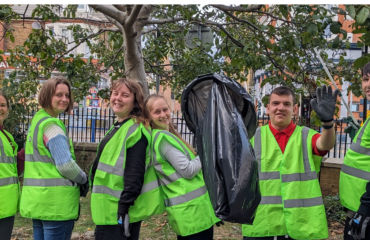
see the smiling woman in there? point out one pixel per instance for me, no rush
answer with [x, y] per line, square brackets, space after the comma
[180, 176]
[53, 182]
[9, 185]
[125, 187]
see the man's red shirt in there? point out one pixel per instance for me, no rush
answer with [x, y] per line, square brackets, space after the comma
[283, 136]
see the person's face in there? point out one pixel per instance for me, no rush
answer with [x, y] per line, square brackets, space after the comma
[160, 115]
[60, 99]
[4, 111]
[122, 101]
[281, 110]
[366, 86]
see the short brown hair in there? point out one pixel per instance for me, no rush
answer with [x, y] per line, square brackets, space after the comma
[283, 91]
[48, 90]
[138, 92]
[366, 69]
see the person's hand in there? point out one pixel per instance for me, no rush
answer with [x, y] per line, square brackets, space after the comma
[324, 103]
[352, 127]
[220, 223]
[358, 225]
[123, 219]
[84, 188]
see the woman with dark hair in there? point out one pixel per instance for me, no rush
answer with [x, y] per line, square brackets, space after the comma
[188, 206]
[124, 184]
[9, 185]
[52, 178]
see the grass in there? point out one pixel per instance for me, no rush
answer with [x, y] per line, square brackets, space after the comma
[158, 228]
[155, 227]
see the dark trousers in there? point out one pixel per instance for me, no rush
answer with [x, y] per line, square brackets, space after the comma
[266, 238]
[113, 232]
[203, 235]
[6, 227]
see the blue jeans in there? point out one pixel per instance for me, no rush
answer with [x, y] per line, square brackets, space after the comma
[52, 230]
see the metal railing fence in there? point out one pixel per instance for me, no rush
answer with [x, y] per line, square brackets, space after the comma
[91, 124]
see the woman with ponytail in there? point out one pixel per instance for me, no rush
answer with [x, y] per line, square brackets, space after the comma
[190, 213]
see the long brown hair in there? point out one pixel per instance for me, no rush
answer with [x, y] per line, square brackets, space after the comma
[137, 90]
[48, 90]
[148, 104]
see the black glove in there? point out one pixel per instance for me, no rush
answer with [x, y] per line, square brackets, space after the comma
[84, 188]
[324, 103]
[358, 225]
[123, 218]
[219, 223]
[352, 127]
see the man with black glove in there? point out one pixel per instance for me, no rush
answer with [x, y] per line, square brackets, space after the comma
[289, 158]
[354, 186]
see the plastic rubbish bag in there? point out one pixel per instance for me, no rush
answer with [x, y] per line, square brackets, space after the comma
[221, 114]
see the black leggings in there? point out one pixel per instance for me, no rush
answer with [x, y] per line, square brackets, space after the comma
[203, 235]
[113, 232]
[6, 227]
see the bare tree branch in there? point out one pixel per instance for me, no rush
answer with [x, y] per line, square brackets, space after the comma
[133, 16]
[122, 8]
[78, 44]
[163, 21]
[274, 17]
[110, 12]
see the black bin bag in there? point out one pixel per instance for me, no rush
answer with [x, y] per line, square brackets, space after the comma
[221, 114]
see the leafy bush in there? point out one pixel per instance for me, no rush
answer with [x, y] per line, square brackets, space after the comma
[335, 212]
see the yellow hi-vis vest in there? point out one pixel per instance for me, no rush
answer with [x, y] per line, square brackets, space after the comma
[9, 185]
[355, 172]
[291, 201]
[46, 194]
[108, 181]
[187, 201]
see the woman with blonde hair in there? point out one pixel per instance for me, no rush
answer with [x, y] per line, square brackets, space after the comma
[190, 213]
[52, 178]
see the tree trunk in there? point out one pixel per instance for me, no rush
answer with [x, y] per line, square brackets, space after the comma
[134, 62]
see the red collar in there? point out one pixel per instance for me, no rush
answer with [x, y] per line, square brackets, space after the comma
[287, 131]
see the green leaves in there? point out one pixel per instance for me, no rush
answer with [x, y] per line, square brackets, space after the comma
[335, 27]
[362, 15]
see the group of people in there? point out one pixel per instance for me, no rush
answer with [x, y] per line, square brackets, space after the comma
[143, 167]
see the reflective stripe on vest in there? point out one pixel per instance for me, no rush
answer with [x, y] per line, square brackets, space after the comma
[36, 156]
[356, 172]
[4, 158]
[356, 147]
[167, 179]
[186, 197]
[47, 182]
[8, 181]
[116, 170]
[307, 175]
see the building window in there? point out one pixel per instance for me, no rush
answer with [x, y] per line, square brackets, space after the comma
[51, 31]
[82, 8]
[65, 35]
[355, 107]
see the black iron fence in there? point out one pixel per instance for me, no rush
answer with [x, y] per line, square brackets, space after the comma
[91, 124]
